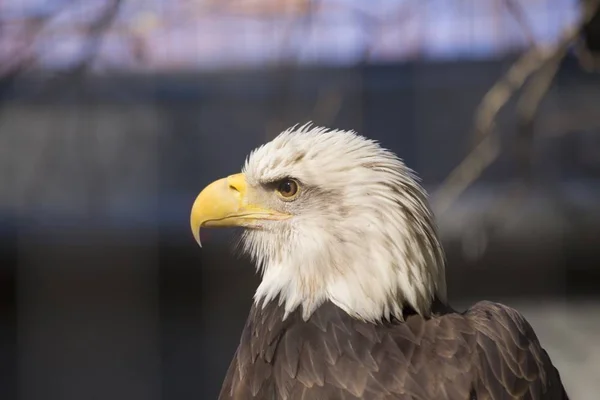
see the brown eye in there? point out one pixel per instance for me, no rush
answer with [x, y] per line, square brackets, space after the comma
[287, 188]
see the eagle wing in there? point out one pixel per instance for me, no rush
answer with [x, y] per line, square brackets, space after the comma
[510, 361]
[488, 352]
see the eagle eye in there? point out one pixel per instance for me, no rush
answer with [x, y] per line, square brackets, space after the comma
[287, 188]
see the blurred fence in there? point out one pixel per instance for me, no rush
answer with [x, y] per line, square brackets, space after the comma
[175, 35]
[98, 174]
[110, 148]
[105, 141]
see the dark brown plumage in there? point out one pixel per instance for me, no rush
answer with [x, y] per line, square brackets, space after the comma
[358, 232]
[488, 352]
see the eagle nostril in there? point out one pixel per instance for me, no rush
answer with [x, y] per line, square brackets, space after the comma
[237, 183]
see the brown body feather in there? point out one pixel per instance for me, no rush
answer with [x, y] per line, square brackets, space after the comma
[488, 352]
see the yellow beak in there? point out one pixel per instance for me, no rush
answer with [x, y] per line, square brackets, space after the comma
[224, 203]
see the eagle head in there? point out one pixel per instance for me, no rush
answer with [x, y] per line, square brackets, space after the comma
[329, 215]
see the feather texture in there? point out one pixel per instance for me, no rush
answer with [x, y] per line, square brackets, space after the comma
[352, 302]
[487, 352]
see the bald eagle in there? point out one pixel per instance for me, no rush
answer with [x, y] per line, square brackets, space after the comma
[352, 302]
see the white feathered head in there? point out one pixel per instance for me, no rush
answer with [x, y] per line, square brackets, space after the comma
[331, 215]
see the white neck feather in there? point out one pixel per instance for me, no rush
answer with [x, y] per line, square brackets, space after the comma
[364, 238]
[371, 263]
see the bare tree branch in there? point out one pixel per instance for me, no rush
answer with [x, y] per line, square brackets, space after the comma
[527, 107]
[587, 49]
[22, 58]
[487, 148]
[536, 90]
[96, 190]
[95, 34]
[515, 9]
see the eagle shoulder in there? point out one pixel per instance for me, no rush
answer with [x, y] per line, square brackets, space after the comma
[510, 360]
[488, 352]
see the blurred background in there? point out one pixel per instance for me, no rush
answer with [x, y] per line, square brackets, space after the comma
[114, 114]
